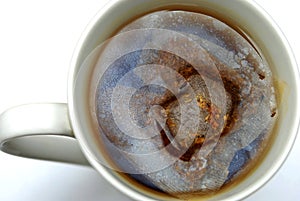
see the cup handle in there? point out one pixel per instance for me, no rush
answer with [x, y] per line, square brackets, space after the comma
[40, 131]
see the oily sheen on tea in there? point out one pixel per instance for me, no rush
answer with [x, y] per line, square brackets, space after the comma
[186, 105]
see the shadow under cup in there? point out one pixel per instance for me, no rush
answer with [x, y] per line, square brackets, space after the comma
[244, 16]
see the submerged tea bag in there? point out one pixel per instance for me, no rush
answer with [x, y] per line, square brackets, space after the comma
[199, 95]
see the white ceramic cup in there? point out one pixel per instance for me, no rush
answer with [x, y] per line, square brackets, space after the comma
[53, 131]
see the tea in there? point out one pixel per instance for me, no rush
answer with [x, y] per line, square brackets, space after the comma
[187, 106]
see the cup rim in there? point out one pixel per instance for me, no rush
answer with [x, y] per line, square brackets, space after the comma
[113, 180]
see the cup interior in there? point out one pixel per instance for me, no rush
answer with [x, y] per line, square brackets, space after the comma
[246, 16]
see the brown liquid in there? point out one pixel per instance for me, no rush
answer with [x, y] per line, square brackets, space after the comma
[244, 157]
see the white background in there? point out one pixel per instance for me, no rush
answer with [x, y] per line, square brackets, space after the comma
[37, 39]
